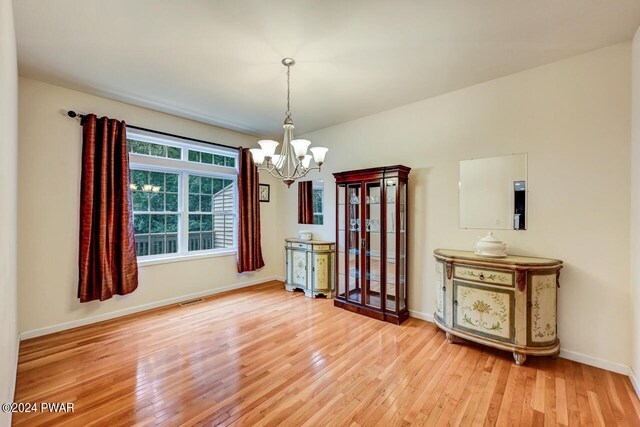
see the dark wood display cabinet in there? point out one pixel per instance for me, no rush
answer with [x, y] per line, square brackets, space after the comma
[371, 231]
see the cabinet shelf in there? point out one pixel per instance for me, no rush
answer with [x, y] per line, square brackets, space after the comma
[389, 259]
[376, 232]
[368, 254]
[372, 203]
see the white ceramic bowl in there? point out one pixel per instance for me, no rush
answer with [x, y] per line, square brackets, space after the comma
[304, 235]
[490, 246]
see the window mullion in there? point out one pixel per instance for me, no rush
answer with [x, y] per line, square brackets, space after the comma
[184, 213]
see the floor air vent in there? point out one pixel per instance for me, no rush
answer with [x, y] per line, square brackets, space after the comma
[191, 302]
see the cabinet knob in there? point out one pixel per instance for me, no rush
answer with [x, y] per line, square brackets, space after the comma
[455, 302]
[481, 277]
[444, 288]
[529, 304]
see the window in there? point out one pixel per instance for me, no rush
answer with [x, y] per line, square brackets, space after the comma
[155, 207]
[211, 159]
[151, 149]
[184, 197]
[211, 212]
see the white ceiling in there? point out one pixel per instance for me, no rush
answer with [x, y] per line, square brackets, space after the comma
[219, 61]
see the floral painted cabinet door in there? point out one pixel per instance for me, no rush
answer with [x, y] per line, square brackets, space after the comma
[298, 266]
[322, 269]
[440, 290]
[484, 310]
[542, 312]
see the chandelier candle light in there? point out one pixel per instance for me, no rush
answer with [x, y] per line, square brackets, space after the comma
[289, 165]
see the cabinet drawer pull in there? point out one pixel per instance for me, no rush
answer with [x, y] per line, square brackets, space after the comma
[481, 277]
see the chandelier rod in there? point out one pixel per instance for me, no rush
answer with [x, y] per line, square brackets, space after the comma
[289, 90]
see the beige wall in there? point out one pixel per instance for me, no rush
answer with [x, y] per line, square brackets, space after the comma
[8, 206]
[573, 119]
[635, 201]
[49, 157]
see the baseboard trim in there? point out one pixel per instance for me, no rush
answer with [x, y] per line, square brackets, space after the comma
[608, 365]
[634, 381]
[131, 310]
[420, 315]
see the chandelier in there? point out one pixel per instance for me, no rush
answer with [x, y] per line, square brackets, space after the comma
[293, 162]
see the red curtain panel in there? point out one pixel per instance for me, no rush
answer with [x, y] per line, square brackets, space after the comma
[249, 246]
[107, 262]
[305, 202]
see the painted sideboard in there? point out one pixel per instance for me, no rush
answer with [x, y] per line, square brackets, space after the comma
[310, 267]
[508, 303]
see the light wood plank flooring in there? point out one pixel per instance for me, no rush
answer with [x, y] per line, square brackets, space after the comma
[263, 356]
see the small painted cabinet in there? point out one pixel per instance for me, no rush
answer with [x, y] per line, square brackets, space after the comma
[508, 303]
[310, 266]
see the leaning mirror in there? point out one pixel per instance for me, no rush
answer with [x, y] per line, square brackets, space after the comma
[493, 193]
[311, 202]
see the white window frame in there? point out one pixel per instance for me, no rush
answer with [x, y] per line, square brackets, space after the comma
[183, 167]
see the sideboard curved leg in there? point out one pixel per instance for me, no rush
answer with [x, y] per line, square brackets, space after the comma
[519, 358]
[555, 355]
[451, 339]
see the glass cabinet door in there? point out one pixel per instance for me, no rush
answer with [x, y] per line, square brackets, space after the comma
[402, 245]
[341, 219]
[354, 292]
[373, 243]
[391, 230]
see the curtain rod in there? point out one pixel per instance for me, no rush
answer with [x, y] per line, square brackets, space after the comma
[73, 115]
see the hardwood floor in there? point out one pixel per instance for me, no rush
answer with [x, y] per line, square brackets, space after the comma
[263, 356]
